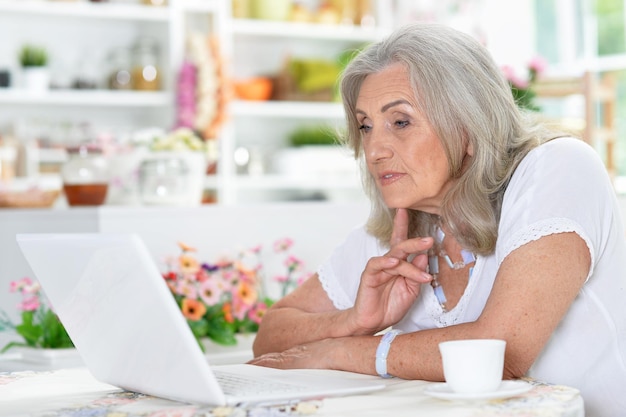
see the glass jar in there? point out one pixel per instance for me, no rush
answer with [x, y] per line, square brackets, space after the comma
[119, 76]
[85, 176]
[164, 181]
[146, 73]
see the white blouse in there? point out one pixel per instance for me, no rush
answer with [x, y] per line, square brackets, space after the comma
[561, 186]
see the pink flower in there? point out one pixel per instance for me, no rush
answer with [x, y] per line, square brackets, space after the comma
[508, 71]
[293, 263]
[31, 289]
[256, 249]
[186, 288]
[202, 275]
[257, 312]
[230, 277]
[281, 278]
[240, 308]
[538, 64]
[513, 78]
[210, 292]
[246, 274]
[282, 245]
[20, 284]
[30, 304]
[304, 277]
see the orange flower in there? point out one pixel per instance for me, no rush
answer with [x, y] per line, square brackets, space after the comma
[193, 309]
[246, 273]
[185, 247]
[227, 309]
[246, 293]
[188, 264]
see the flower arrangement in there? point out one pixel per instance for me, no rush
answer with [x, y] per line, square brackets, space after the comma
[40, 327]
[180, 139]
[522, 87]
[219, 299]
[222, 298]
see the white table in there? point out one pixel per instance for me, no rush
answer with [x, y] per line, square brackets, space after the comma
[73, 391]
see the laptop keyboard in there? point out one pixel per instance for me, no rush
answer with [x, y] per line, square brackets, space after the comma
[239, 385]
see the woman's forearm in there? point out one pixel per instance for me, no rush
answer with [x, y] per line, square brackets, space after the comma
[285, 327]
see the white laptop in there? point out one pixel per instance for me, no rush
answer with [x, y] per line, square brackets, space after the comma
[129, 331]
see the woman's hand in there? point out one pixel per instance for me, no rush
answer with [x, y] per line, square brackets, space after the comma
[391, 283]
[354, 354]
[310, 355]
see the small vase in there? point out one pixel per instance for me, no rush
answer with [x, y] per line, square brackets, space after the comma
[36, 79]
[174, 178]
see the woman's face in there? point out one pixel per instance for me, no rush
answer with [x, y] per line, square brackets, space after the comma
[403, 154]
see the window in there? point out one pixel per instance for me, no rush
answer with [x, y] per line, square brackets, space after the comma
[576, 36]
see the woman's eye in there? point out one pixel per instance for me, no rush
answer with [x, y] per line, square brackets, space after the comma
[364, 128]
[402, 123]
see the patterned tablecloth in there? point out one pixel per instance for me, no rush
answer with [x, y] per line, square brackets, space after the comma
[75, 393]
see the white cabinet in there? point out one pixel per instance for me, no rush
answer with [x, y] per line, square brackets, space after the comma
[261, 128]
[81, 35]
[81, 38]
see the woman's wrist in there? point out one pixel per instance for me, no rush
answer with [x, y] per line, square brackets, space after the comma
[382, 352]
[348, 324]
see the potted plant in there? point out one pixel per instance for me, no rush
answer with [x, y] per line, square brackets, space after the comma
[44, 338]
[314, 152]
[34, 62]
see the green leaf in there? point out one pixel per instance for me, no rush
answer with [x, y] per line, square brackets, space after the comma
[199, 328]
[12, 345]
[31, 333]
[247, 326]
[222, 335]
[54, 334]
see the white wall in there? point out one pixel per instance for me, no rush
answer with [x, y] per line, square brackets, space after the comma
[509, 31]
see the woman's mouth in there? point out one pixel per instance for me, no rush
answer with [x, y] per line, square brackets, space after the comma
[389, 177]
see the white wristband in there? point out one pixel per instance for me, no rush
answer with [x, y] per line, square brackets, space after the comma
[383, 351]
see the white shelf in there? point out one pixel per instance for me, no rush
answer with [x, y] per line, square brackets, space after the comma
[287, 109]
[281, 182]
[96, 98]
[275, 182]
[267, 117]
[306, 30]
[86, 10]
[198, 6]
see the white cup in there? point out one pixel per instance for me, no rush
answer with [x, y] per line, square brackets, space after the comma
[473, 366]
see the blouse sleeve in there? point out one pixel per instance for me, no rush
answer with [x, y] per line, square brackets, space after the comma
[561, 186]
[340, 274]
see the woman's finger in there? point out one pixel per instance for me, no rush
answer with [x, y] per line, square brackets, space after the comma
[400, 230]
[414, 246]
[384, 268]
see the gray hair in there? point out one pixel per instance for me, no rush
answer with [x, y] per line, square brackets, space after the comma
[465, 97]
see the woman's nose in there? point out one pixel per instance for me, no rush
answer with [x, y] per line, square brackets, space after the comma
[378, 147]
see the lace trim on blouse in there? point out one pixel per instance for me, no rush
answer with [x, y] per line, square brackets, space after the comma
[338, 297]
[447, 318]
[543, 228]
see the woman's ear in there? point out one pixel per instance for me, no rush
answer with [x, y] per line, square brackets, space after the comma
[470, 149]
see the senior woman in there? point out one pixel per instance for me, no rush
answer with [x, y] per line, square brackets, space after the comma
[484, 224]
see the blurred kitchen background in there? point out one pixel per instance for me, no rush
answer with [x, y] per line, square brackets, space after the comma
[189, 102]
